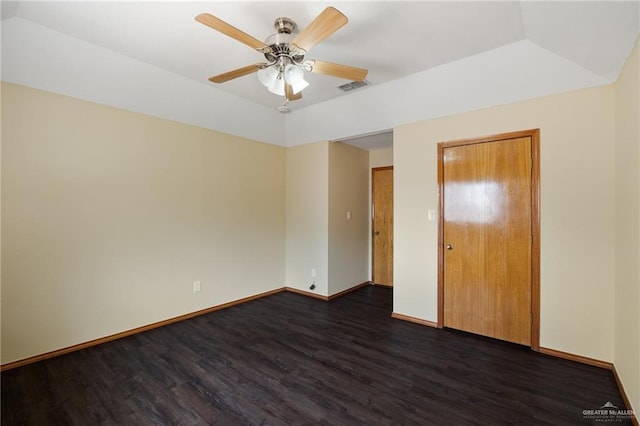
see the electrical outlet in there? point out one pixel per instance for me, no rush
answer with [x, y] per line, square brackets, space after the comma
[196, 286]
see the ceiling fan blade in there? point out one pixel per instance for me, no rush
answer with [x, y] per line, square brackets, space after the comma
[230, 75]
[288, 92]
[231, 31]
[325, 24]
[341, 71]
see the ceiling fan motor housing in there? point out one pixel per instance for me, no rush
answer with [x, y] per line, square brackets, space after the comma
[280, 41]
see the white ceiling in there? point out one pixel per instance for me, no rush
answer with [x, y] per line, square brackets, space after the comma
[152, 57]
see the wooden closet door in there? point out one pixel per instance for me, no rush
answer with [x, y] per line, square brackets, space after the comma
[382, 225]
[487, 197]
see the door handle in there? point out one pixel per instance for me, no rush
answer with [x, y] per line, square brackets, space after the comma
[449, 247]
[377, 232]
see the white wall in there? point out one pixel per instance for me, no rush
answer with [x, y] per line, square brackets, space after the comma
[307, 216]
[468, 84]
[577, 199]
[348, 237]
[108, 217]
[110, 78]
[627, 227]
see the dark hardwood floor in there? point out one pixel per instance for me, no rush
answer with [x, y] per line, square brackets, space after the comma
[289, 359]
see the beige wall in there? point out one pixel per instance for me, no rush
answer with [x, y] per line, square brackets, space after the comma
[324, 181]
[577, 214]
[348, 237]
[108, 217]
[381, 157]
[307, 216]
[1, 224]
[627, 229]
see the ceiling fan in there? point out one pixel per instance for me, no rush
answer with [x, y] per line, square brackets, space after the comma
[283, 73]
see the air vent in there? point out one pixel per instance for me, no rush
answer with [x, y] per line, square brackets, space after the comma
[354, 85]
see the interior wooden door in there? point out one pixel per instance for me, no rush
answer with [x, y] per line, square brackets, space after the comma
[487, 238]
[382, 225]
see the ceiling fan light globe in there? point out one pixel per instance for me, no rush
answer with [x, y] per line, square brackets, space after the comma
[277, 88]
[299, 86]
[267, 76]
[293, 74]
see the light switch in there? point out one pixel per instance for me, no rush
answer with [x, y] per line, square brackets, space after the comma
[432, 215]
[348, 215]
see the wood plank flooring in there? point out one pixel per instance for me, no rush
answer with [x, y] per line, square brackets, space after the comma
[288, 359]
